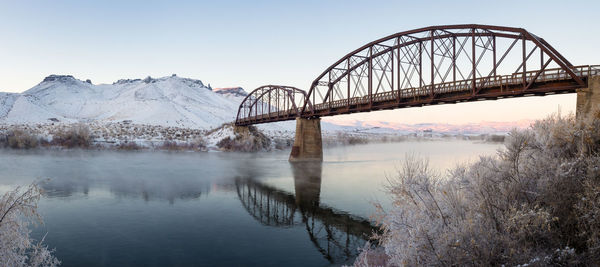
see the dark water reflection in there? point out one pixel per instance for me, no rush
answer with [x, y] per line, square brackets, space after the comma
[208, 209]
[335, 234]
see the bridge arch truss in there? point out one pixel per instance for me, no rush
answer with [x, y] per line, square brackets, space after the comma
[271, 103]
[442, 64]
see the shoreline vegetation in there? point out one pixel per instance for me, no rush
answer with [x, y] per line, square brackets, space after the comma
[535, 203]
[128, 136]
[18, 211]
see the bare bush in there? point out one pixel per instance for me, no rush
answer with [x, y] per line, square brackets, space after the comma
[170, 145]
[535, 203]
[129, 145]
[198, 144]
[494, 138]
[19, 139]
[356, 140]
[78, 135]
[18, 210]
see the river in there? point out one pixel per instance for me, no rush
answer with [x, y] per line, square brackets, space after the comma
[118, 208]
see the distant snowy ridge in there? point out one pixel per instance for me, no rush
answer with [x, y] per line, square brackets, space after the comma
[166, 101]
[484, 127]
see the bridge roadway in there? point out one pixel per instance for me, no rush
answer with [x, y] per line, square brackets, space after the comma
[550, 81]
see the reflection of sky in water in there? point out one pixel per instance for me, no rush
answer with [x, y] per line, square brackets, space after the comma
[158, 208]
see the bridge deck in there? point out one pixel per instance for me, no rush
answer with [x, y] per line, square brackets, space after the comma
[549, 81]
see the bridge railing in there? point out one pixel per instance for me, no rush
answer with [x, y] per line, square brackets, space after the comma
[504, 82]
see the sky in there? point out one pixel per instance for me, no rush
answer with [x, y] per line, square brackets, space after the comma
[253, 43]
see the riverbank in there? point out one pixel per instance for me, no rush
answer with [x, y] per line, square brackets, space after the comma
[128, 136]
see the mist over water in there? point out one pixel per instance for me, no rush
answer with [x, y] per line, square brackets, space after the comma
[106, 208]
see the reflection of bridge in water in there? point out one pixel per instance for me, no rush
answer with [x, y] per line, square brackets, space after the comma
[336, 234]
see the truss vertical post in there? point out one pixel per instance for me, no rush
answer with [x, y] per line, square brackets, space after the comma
[314, 93]
[474, 72]
[349, 80]
[392, 70]
[370, 78]
[329, 96]
[524, 62]
[330, 88]
[286, 102]
[494, 53]
[290, 104]
[420, 65]
[454, 59]
[432, 64]
[398, 69]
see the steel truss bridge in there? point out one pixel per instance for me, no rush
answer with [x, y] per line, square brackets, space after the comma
[426, 66]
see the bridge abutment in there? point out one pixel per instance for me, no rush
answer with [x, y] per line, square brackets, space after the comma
[588, 99]
[308, 145]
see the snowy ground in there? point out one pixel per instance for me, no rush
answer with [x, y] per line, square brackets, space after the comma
[168, 101]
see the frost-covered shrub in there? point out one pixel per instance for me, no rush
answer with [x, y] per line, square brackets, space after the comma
[344, 139]
[283, 143]
[588, 212]
[18, 210]
[247, 139]
[536, 203]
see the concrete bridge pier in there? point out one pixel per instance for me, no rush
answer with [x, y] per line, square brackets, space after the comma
[308, 145]
[588, 99]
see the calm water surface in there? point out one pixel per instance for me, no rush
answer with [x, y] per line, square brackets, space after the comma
[105, 208]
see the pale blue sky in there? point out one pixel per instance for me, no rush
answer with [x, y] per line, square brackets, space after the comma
[251, 43]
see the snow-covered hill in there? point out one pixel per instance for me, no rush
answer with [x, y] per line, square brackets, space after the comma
[167, 101]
